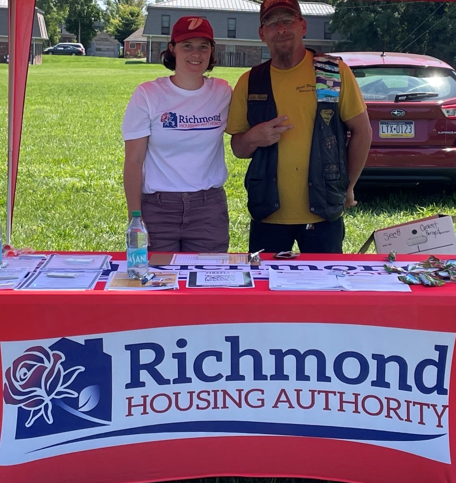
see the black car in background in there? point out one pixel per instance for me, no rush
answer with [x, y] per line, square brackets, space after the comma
[64, 49]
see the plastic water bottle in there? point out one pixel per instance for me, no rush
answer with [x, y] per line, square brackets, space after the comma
[137, 238]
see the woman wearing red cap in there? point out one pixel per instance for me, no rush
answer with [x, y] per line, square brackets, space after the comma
[174, 155]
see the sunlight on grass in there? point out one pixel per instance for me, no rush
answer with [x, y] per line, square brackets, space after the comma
[69, 189]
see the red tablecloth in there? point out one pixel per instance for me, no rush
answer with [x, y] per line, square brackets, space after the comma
[359, 343]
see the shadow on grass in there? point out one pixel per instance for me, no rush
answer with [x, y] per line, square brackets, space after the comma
[136, 62]
[402, 196]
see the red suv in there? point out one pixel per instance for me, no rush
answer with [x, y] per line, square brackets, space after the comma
[411, 101]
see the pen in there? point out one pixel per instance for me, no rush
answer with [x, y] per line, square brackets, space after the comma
[61, 275]
[79, 260]
[147, 278]
[31, 255]
[253, 256]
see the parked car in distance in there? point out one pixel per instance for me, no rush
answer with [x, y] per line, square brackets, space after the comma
[65, 49]
[411, 101]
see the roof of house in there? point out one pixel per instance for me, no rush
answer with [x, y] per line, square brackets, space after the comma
[307, 8]
[105, 37]
[39, 25]
[137, 36]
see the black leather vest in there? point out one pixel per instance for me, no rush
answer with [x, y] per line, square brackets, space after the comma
[328, 177]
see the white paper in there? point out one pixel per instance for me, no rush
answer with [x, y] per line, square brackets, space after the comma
[76, 262]
[377, 283]
[119, 280]
[220, 278]
[85, 280]
[23, 263]
[10, 279]
[195, 259]
[299, 280]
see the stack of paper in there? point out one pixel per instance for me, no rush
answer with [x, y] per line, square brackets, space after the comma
[68, 272]
[15, 269]
[11, 278]
[220, 278]
[305, 280]
[300, 280]
[161, 281]
[210, 259]
[77, 262]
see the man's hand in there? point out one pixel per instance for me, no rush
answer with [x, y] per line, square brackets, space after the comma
[261, 135]
[268, 133]
[350, 201]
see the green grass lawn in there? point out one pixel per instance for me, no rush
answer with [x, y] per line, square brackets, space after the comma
[69, 190]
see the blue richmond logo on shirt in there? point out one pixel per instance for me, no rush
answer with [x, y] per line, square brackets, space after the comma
[64, 387]
[190, 123]
[169, 119]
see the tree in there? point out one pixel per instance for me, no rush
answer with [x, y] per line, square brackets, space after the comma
[80, 18]
[129, 19]
[55, 12]
[112, 9]
[416, 27]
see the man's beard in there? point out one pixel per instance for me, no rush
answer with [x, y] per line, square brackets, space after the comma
[285, 58]
[284, 55]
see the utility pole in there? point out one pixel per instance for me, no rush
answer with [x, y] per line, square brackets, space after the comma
[79, 31]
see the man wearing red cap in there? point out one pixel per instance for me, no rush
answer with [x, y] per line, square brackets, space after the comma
[290, 115]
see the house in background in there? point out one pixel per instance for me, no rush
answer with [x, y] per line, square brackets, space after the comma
[235, 24]
[66, 36]
[39, 34]
[136, 44]
[104, 45]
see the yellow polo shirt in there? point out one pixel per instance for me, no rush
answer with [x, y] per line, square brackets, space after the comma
[295, 97]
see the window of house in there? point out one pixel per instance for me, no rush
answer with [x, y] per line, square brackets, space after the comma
[231, 28]
[165, 24]
[132, 45]
[265, 54]
[327, 33]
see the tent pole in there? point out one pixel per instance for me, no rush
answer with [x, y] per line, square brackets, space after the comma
[11, 60]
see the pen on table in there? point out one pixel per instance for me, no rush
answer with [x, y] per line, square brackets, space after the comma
[31, 255]
[147, 278]
[79, 260]
[253, 256]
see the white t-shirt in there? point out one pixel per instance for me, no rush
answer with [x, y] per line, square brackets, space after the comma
[185, 128]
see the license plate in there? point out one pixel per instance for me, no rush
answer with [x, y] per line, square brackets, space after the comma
[397, 129]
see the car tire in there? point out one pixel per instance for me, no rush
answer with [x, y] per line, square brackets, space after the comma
[50, 53]
[73, 54]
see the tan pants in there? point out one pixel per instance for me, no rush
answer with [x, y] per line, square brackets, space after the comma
[187, 222]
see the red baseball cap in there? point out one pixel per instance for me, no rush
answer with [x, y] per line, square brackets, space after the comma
[269, 5]
[191, 27]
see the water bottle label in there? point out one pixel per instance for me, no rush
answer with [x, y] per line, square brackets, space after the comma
[136, 256]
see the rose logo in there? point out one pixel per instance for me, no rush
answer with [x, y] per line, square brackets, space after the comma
[37, 378]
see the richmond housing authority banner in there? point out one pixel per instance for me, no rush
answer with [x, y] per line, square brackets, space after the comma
[380, 386]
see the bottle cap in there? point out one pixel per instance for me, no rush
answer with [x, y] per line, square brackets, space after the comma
[136, 213]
